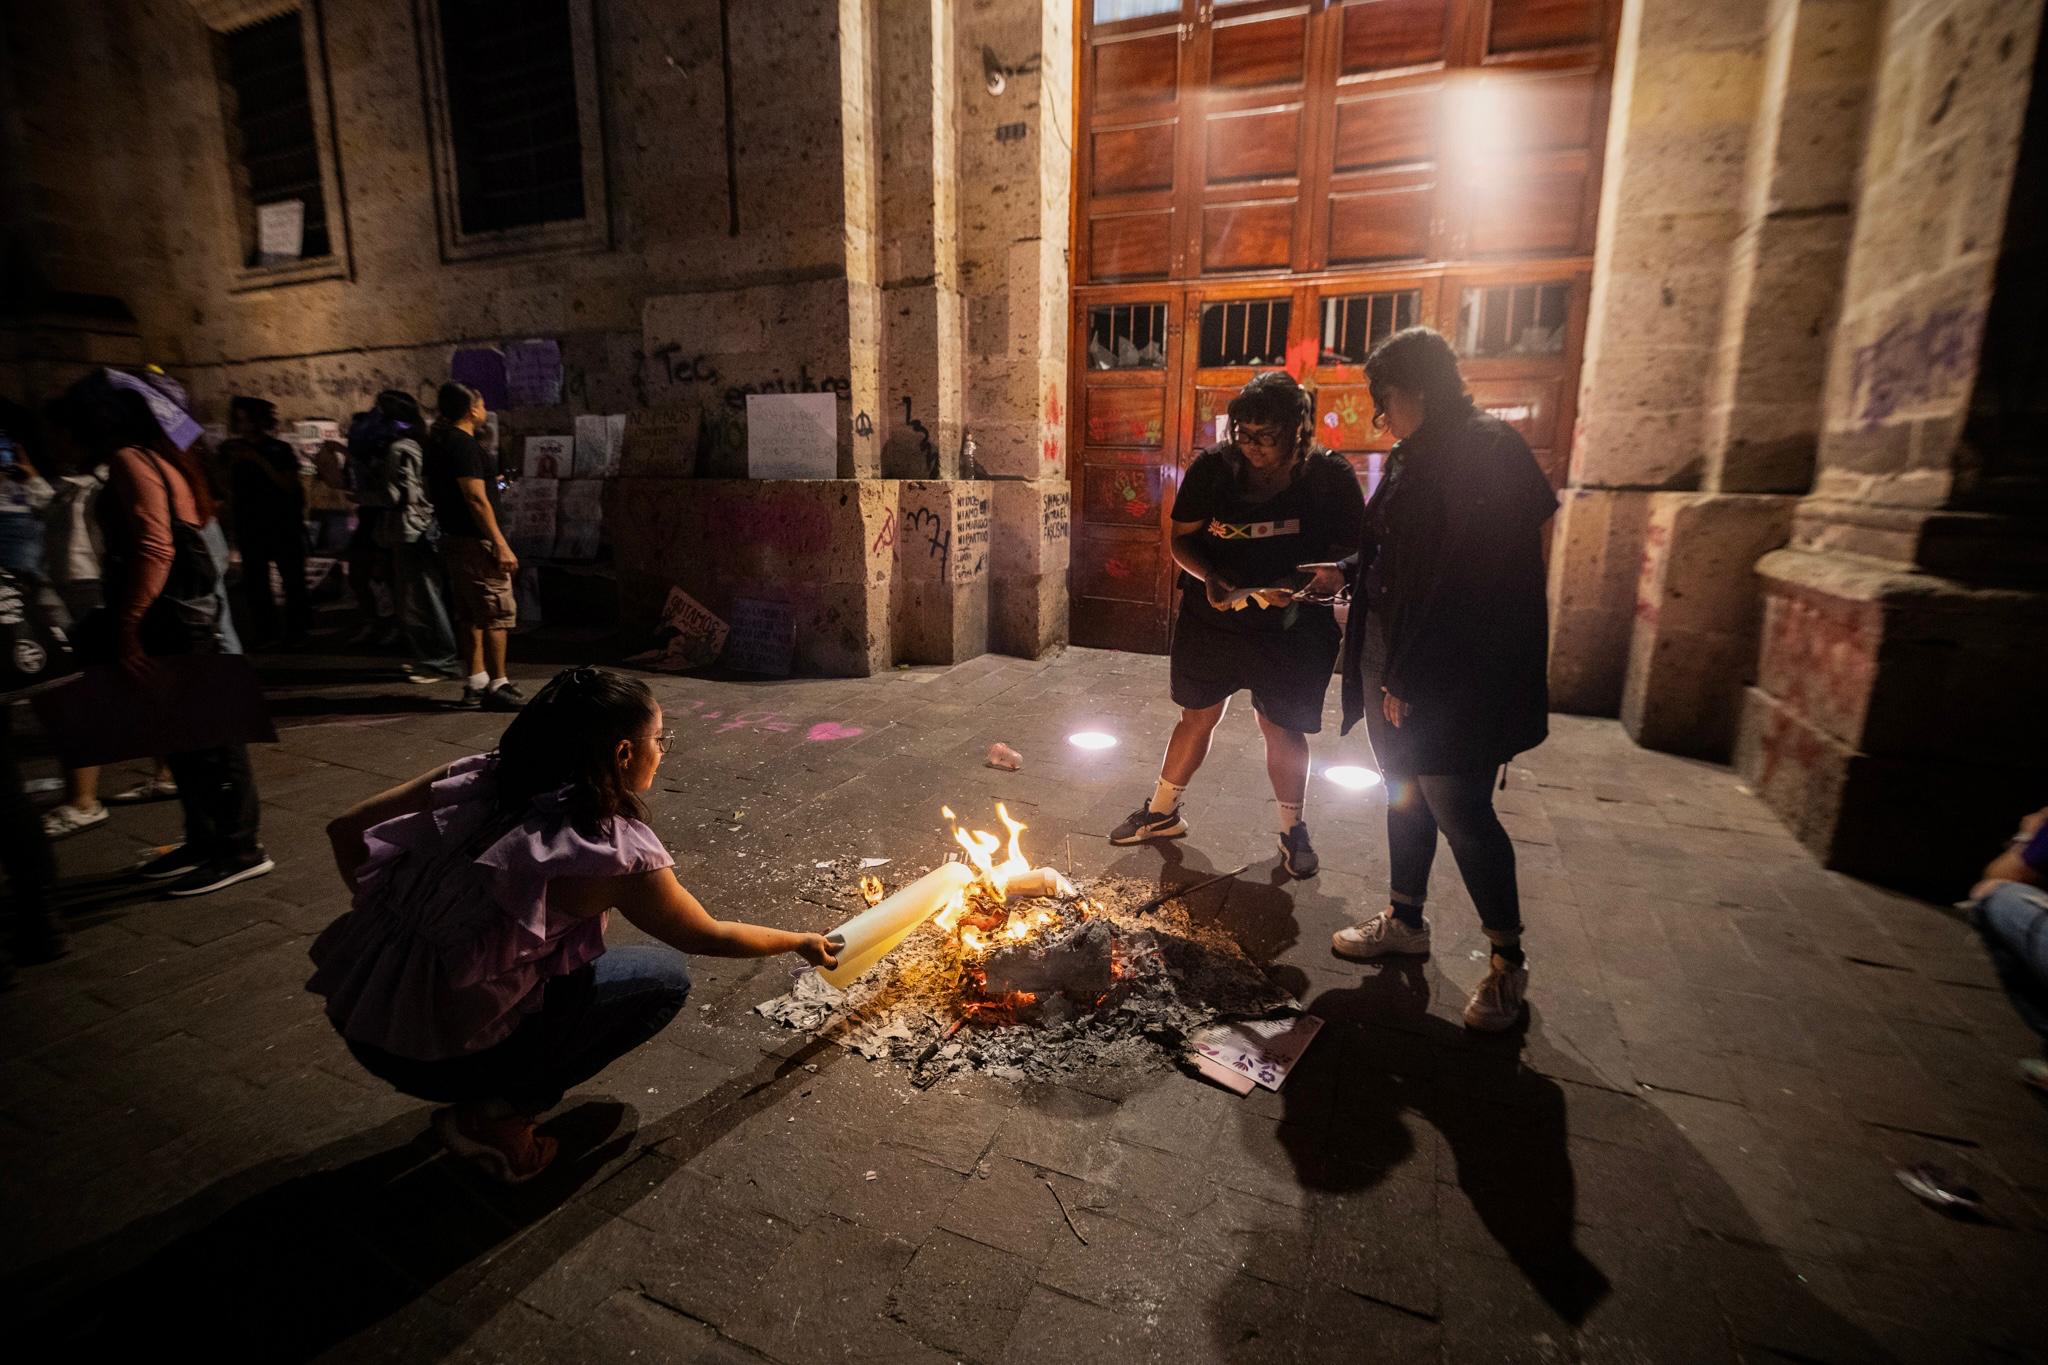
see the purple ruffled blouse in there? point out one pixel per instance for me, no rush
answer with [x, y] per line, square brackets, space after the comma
[450, 942]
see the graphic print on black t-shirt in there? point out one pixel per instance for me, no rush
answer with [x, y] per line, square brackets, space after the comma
[1257, 544]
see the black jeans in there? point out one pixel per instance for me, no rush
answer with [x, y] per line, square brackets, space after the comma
[287, 550]
[218, 793]
[1461, 805]
[586, 1021]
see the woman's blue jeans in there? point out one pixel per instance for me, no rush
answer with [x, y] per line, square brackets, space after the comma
[2014, 922]
[587, 1020]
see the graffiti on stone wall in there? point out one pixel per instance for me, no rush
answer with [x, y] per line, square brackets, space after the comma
[1054, 523]
[697, 370]
[1914, 363]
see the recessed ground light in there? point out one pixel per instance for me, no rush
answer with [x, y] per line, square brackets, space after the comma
[1352, 778]
[1091, 739]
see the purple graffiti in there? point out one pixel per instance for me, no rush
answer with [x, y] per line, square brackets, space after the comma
[1913, 363]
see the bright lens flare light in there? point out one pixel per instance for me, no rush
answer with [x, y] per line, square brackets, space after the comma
[1091, 739]
[1352, 778]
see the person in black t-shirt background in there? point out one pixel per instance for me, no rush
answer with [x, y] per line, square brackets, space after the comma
[1249, 511]
[479, 559]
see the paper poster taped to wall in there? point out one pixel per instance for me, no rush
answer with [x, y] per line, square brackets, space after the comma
[763, 638]
[281, 231]
[579, 519]
[483, 369]
[533, 374]
[527, 507]
[792, 436]
[598, 442]
[549, 457]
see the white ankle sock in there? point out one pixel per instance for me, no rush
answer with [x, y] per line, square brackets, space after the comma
[477, 681]
[497, 683]
[1290, 813]
[1165, 797]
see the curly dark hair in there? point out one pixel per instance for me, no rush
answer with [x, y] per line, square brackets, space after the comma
[1418, 360]
[568, 736]
[1274, 396]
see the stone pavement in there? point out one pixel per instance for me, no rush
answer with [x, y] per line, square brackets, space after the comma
[1689, 1155]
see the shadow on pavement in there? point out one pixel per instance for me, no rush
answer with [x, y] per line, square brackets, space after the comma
[380, 1234]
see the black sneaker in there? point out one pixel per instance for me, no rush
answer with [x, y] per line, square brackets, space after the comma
[472, 698]
[220, 873]
[1144, 824]
[170, 862]
[506, 697]
[1297, 854]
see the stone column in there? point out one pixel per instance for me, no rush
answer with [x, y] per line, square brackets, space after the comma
[1693, 643]
[1687, 82]
[921, 319]
[1901, 710]
[1015, 71]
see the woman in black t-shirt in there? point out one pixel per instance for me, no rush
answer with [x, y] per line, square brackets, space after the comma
[1249, 511]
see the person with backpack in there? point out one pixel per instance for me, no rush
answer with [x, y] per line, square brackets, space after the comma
[270, 520]
[162, 599]
[384, 450]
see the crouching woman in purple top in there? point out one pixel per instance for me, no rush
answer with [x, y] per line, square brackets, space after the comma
[471, 970]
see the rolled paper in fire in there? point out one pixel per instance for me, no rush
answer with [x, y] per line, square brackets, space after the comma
[1039, 881]
[867, 938]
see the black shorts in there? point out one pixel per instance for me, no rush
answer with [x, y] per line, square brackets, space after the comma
[1288, 671]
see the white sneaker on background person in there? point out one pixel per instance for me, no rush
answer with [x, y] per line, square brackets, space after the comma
[61, 822]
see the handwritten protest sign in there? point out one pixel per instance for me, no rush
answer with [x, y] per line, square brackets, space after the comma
[792, 436]
[1261, 1050]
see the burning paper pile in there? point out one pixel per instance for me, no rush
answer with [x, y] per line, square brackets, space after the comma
[1024, 976]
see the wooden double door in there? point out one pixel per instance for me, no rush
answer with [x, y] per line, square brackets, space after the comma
[1158, 369]
[1263, 184]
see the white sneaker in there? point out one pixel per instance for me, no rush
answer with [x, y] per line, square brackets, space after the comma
[61, 822]
[1379, 936]
[1497, 1004]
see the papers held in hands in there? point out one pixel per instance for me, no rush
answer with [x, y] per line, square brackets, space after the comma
[193, 701]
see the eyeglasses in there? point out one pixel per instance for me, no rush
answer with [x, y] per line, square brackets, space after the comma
[1269, 438]
[664, 739]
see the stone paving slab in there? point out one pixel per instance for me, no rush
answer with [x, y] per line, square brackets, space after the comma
[1687, 1156]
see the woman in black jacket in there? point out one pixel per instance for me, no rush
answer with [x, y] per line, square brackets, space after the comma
[1445, 654]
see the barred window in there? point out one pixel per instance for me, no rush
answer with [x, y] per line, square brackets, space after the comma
[273, 142]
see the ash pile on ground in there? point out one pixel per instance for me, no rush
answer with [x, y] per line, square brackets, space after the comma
[1173, 977]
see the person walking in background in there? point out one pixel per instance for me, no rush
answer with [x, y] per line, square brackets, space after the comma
[25, 495]
[269, 509]
[479, 558]
[1445, 650]
[384, 448]
[163, 600]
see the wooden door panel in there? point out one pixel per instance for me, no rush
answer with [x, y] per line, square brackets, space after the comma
[1526, 403]
[1121, 416]
[1381, 35]
[1344, 419]
[1131, 246]
[1134, 73]
[1528, 213]
[1127, 160]
[1381, 224]
[1257, 236]
[1387, 128]
[1122, 494]
[1533, 25]
[1254, 144]
[1259, 51]
[1546, 112]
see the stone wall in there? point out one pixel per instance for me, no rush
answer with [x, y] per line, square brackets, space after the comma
[865, 134]
[1897, 721]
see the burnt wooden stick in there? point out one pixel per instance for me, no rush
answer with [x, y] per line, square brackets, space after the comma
[931, 1049]
[1163, 897]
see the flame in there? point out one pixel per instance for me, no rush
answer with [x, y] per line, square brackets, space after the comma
[990, 888]
[871, 889]
[971, 941]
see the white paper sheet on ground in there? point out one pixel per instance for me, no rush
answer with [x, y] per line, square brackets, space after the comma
[867, 938]
[1264, 1050]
